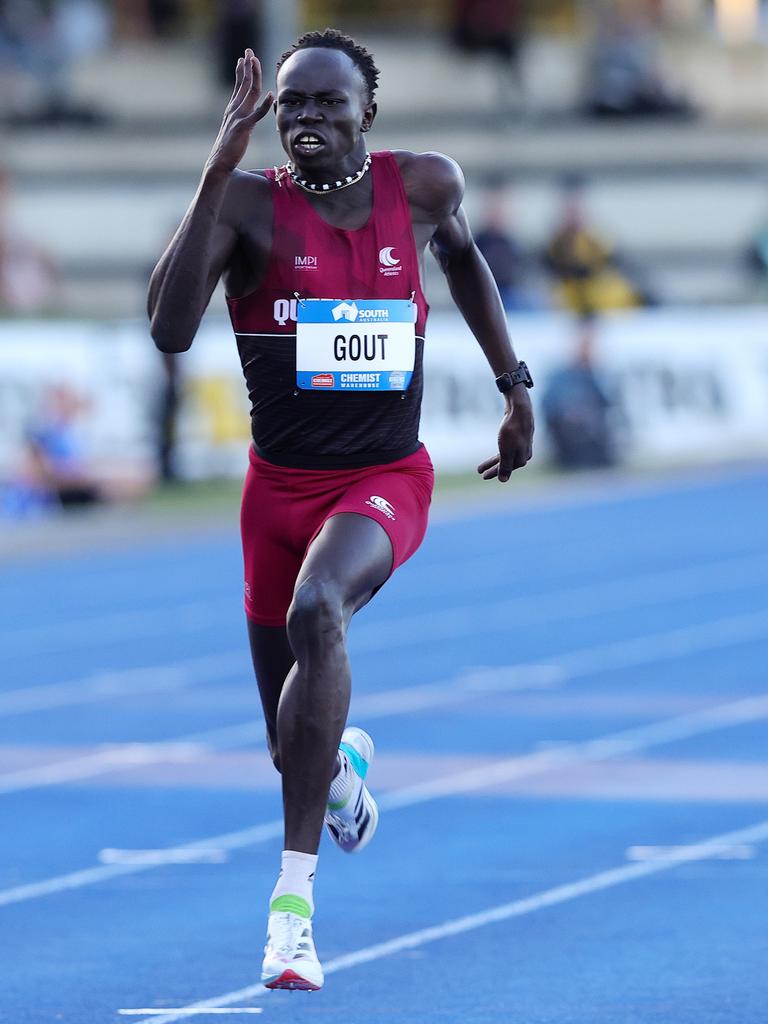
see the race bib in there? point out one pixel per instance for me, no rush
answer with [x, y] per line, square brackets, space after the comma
[355, 344]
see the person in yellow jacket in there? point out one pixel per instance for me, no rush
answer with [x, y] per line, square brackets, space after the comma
[587, 278]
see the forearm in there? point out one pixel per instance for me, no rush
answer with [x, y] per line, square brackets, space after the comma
[476, 296]
[180, 286]
[475, 293]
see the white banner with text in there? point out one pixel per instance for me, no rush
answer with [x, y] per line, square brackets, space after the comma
[685, 386]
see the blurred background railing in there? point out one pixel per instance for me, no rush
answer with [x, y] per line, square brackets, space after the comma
[616, 161]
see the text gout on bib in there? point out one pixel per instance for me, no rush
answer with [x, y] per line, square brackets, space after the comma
[355, 344]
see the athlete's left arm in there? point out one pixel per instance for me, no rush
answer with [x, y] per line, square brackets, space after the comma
[439, 190]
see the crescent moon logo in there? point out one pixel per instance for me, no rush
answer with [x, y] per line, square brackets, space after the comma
[386, 258]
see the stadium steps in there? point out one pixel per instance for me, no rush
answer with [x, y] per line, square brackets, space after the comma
[680, 198]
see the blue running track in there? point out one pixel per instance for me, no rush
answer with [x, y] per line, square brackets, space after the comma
[568, 697]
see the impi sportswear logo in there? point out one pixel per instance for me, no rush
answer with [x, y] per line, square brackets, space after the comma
[305, 263]
[347, 310]
[381, 505]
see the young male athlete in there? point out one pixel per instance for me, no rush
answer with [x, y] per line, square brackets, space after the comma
[321, 260]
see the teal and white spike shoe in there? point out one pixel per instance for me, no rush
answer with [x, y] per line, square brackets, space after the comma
[352, 816]
[290, 959]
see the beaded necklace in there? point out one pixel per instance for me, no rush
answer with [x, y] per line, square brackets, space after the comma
[314, 187]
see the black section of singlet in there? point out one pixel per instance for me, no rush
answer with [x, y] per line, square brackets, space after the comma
[325, 429]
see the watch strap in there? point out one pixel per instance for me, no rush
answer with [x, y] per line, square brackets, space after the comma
[508, 380]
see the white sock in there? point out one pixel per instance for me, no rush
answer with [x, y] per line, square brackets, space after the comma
[293, 889]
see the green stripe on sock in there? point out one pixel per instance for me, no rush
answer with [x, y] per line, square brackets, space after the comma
[358, 762]
[291, 905]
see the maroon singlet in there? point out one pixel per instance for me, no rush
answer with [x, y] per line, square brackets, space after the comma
[332, 429]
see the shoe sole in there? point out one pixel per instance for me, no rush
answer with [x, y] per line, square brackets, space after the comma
[290, 981]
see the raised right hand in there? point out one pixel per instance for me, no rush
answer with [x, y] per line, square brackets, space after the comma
[243, 111]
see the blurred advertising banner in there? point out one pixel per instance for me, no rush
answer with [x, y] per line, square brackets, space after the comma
[684, 386]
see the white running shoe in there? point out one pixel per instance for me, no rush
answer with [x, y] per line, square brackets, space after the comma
[290, 960]
[352, 815]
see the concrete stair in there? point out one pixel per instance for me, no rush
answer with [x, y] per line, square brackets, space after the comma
[681, 199]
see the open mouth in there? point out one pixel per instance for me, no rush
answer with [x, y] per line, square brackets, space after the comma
[308, 142]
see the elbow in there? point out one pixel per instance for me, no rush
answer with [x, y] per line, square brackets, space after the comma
[166, 340]
[165, 328]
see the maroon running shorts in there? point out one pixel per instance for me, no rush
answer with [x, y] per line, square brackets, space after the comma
[284, 509]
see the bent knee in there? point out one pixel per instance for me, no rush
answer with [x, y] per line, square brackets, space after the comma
[316, 608]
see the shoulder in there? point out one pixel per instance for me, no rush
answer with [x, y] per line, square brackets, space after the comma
[250, 185]
[249, 194]
[434, 183]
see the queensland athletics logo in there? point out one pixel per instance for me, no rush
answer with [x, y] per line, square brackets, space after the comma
[381, 505]
[389, 264]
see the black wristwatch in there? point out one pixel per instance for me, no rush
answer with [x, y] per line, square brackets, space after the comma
[521, 375]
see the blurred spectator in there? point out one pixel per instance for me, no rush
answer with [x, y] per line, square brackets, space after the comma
[164, 17]
[56, 459]
[144, 19]
[757, 259]
[167, 419]
[625, 80]
[56, 471]
[166, 401]
[238, 24]
[495, 28]
[508, 261]
[586, 270]
[577, 409]
[39, 42]
[28, 277]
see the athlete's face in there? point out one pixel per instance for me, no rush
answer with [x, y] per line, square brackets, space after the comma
[322, 112]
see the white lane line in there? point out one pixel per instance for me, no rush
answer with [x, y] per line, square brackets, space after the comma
[190, 1011]
[600, 488]
[158, 857]
[632, 590]
[618, 744]
[628, 592]
[739, 712]
[195, 746]
[64, 635]
[365, 638]
[649, 649]
[127, 755]
[560, 894]
[674, 643]
[741, 851]
[123, 683]
[90, 876]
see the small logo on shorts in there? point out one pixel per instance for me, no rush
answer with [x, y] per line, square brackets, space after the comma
[322, 380]
[248, 590]
[381, 505]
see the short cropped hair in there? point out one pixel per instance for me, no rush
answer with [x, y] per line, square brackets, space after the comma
[332, 39]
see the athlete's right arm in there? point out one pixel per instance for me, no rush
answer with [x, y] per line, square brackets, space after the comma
[185, 278]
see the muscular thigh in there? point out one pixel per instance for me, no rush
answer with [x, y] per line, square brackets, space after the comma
[352, 527]
[353, 554]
